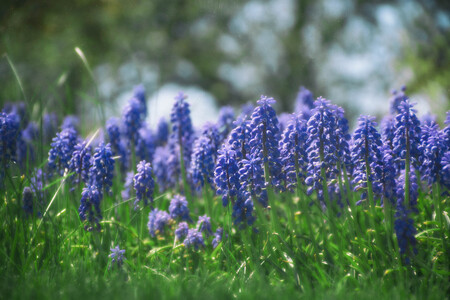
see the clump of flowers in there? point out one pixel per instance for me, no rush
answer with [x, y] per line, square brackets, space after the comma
[80, 163]
[89, 209]
[101, 171]
[194, 239]
[182, 230]
[144, 184]
[204, 225]
[294, 156]
[202, 162]
[9, 130]
[367, 156]
[157, 221]
[61, 150]
[182, 130]
[263, 140]
[218, 236]
[178, 208]
[226, 176]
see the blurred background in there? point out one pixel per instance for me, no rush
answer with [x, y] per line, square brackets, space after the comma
[353, 52]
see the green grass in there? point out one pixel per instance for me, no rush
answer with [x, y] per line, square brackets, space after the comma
[312, 255]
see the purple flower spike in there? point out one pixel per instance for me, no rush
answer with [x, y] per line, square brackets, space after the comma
[117, 257]
[194, 239]
[143, 184]
[178, 208]
[157, 221]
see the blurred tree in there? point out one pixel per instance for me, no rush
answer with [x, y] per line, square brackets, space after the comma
[234, 49]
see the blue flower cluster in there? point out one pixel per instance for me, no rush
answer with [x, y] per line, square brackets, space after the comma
[9, 130]
[294, 157]
[406, 142]
[263, 141]
[101, 172]
[322, 159]
[157, 221]
[89, 209]
[61, 150]
[182, 130]
[202, 162]
[178, 208]
[367, 156]
[143, 184]
[117, 256]
[80, 163]
[242, 159]
[304, 102]
[226, 176]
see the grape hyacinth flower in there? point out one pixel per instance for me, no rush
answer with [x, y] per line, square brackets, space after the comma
[343, 138]
[226, 176]
[178, 208]
[132, 119]
[446, 131]
[387, 130]
[117, 257]
[243, 211]
[251, 178]
[445, 171]
[407, 135]
[211, 132]
[405, 231]
[89, 209]
[173, 167]
[322, 158]
[367, 156]
[118, 145]
[9, 130]
[49, 127]
[407, 141]
[204, 225]
[71, 121]
[145, 145]
[160, 168]
[61, 150]
[143, 184]
[37, 184]
[397, 98]
[387, 176]
[304, 102]
[194, 239]
[25, 148]
[239, 137]
[403, 224]
[294, 156]
[157, 221]
[225, 121]
[139, 94]
[17, 110]
[218, 235]
[283, 122]
[182, 231]
[27, 200]
[80, 163]
[403, 203]
[263, 141]
[433, 149]
[202, 162]
[129, 178]
[101, 172]
[162, 132]
[182, 130]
